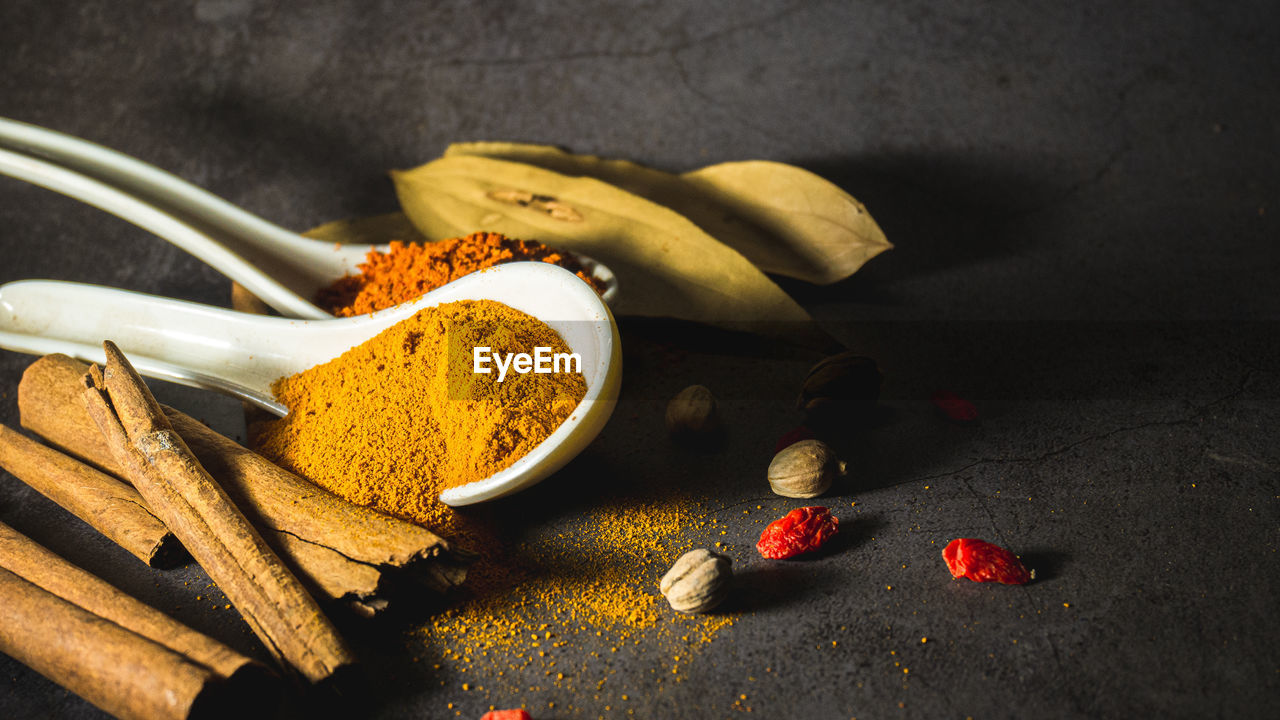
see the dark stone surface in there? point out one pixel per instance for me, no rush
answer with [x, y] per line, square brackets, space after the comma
[1083, 199]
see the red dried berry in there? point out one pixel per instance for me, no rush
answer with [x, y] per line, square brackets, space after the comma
[980, 561]
[954, 406]
[800, 531]
[517, 714]
[791, 437]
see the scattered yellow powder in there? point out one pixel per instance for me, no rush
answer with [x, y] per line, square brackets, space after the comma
[594, 587]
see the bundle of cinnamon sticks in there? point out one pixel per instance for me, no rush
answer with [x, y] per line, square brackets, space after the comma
[157, 482]
[342, 551]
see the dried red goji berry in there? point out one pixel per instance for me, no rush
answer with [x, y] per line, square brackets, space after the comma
[517, 714]
[793, 436]
[800, 531]
[954, 406]
[980, 561]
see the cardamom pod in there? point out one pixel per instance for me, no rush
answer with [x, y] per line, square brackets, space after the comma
[804, 469]
[697, 582]
[841, 387]
[693, 413]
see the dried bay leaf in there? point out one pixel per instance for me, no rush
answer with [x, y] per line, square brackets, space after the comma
[666, 265]
[822, 226]
[784, 219]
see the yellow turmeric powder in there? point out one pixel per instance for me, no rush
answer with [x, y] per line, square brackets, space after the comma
[549, 603]
[392, 422]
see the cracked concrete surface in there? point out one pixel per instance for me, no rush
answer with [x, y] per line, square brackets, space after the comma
[1082, 198]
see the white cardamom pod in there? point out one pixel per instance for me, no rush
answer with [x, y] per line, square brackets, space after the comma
[697, 582]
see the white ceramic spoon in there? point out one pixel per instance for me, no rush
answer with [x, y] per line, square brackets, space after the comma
[282, 268]
[241, 354]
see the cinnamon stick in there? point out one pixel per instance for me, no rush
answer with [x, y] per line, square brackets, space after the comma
[179, 490]
[245, 301]
[343, 550]
[116, 652]
[305, 513]
[111, 507]
[121, 672]
[40, 566]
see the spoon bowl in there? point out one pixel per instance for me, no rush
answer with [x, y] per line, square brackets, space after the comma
[241, 355]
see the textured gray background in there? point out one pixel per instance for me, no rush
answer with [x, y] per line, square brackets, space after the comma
[1083, 197]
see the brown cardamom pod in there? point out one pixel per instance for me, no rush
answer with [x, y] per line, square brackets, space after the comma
[841, 387]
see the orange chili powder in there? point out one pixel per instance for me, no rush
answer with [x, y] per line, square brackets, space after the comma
[408, 270]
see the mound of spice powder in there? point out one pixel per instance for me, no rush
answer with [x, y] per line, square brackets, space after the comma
[392, 422]
[408, 270]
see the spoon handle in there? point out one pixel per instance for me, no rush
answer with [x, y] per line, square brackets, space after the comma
[197, 345]
[176, 230]
[246, 248]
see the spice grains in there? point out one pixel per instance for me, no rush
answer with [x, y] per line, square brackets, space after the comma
[392, 422]
[409, 270]
[543, 613]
